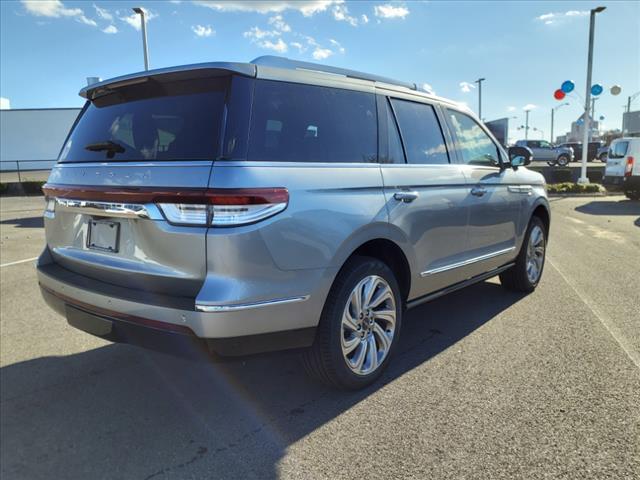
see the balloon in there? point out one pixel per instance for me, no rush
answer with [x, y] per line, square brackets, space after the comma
[558, 94]
[596, 89]
[567, 86]
[615, 90]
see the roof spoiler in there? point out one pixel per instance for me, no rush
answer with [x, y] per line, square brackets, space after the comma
[197, 70]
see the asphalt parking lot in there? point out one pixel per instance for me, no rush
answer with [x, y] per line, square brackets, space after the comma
[487, 384]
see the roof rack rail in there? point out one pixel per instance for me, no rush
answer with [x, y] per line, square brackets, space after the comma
[287, 63]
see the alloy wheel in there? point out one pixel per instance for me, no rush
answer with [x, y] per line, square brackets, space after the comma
[368, 325]
[535, 254]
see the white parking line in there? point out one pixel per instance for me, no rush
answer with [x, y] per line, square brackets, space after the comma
[18, 262]
[615, 333]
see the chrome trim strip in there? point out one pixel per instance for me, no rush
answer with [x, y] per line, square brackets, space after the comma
[464, 263]
[245, 306]
[520, 188]
[109, 209]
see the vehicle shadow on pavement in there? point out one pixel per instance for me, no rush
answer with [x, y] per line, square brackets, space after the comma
[620, 207]
[29, 222]
[121, 412]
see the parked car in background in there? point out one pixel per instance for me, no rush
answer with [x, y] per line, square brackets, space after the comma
[602, 153]
[543, 151]
[247, 207]
[592, 154]
[623, 167]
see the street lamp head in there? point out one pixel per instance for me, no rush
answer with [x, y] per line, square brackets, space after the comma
[598, 9]
[138, 10]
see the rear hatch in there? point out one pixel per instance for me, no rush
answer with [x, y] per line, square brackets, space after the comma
[617, 158]
[125, 203]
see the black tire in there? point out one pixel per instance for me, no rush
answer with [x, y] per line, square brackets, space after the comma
[632, 195]
[324, 360]
[516, 278]
[563, 160]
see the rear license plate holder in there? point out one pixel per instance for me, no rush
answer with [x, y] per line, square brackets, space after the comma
[103, 235]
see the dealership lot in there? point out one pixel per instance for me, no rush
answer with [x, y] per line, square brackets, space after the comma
[487, 384]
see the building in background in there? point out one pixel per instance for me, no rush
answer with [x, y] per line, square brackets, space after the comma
[577, 129]
[631, 124]
[30, 140]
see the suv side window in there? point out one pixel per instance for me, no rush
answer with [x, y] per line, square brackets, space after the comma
[533, 144]
[544, 144]
[474, 145]
[306, 123]
[421, 132]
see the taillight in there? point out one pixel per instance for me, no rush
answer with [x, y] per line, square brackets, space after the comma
[628, 168]
[225, 207]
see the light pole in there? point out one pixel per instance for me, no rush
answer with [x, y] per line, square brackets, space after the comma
[526, 125]
[553, 112]
[479, 82]
[587, 101]
[143, 22]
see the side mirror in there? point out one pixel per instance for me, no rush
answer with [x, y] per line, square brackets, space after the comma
[520, 156]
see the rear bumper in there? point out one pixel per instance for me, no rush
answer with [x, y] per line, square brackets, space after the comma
[623, 183]
[164, 323]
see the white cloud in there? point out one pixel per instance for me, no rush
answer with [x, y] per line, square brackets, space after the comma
[280, 46]
[56, 9]
[134, 19]
[279, 23]
[5, 103]
[389, 10]
[364, 19]
[103, 13]
[341, 14]
[336, 44]
[511, 108]
[203, 31]
[557, 18]
[529, 106]
[466, 87]
[255, 33]
[301, 48]
[321, 53]
[306, 7]
[110, 29]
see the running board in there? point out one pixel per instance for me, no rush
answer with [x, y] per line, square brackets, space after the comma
[479, 278]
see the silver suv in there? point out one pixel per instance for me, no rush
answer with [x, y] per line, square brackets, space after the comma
[241, 208]
[546, 152]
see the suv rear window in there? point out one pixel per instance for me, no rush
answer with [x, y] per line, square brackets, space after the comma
[305, 123]
[151, 121]
[618, 150]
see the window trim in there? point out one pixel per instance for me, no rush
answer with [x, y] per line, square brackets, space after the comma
[499, 150]
[435, 107]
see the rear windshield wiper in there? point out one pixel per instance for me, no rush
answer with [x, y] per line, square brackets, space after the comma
[110, 147]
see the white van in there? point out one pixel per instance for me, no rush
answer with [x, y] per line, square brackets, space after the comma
[623, 166]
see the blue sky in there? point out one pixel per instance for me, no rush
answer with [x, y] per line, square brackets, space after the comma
[523, 49]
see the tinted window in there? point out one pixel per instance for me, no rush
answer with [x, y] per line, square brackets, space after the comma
[304, 123]
[421, 133]
[618, 150]
[544, 144]
[533, 144]
[150, 121]
[473, 143]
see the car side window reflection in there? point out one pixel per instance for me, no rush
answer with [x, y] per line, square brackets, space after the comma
[473, 144]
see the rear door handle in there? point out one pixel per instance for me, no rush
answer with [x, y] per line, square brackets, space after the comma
[478, 191]
[406, 197]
